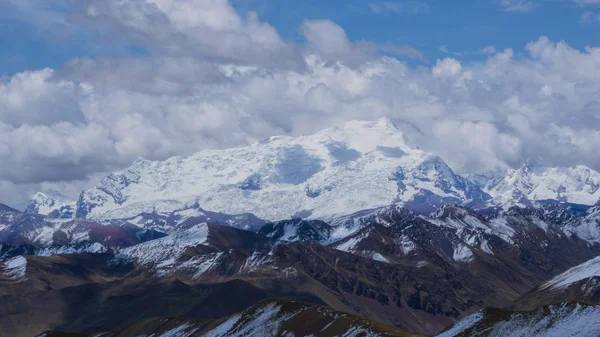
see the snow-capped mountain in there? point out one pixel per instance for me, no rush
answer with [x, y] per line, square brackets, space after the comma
[587, 227]
[54, 205]
[17, 228]
[531, 182]
[336, 171]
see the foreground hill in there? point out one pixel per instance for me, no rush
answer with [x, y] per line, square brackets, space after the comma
[268, 318]
[579, 284]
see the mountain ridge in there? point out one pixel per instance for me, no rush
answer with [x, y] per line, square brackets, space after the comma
[336, 171]
[358, 166]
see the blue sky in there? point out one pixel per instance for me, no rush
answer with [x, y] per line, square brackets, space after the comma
[47, 36]
[463, 25]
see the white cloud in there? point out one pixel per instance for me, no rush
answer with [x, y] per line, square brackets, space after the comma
[447, 67]
[522, 6]
[199, 28]
[590, 17]
[326, 38]
[409, 7]
[59, 128]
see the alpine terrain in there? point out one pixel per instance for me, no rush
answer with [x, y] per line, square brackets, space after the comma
[351, 231]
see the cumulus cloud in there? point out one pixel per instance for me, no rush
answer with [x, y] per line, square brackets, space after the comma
[210, 29]
[210, 78]
[329, 41]
[447, 67]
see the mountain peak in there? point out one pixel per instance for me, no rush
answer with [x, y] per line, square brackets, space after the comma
[385, 122]
[51, 203]
[337, 171]
[529, 163]
[533, 182]
[382, 123]
[50, 196]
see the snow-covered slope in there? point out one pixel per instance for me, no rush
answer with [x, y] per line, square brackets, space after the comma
[553, 321]
[587, 227]
[336, 171]
[180, 218]
[531, 182]
[578, 273]
[164, 252]
[54, 205]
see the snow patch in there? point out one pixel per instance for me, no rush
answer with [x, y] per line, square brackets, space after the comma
[184, 330]
[462, 325]
[379, 257]
[406, 245]
[163, 254]
[224, 327]
[462, 253]
[94, 248]
[350, 244]
[485, 246]
[15, 268]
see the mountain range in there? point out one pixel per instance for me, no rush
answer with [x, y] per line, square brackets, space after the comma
[337, 171]
[352, 227]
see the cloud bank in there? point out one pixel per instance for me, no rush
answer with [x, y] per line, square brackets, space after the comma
[211, 78]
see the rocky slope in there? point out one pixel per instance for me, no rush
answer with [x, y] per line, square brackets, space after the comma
[419, 273]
